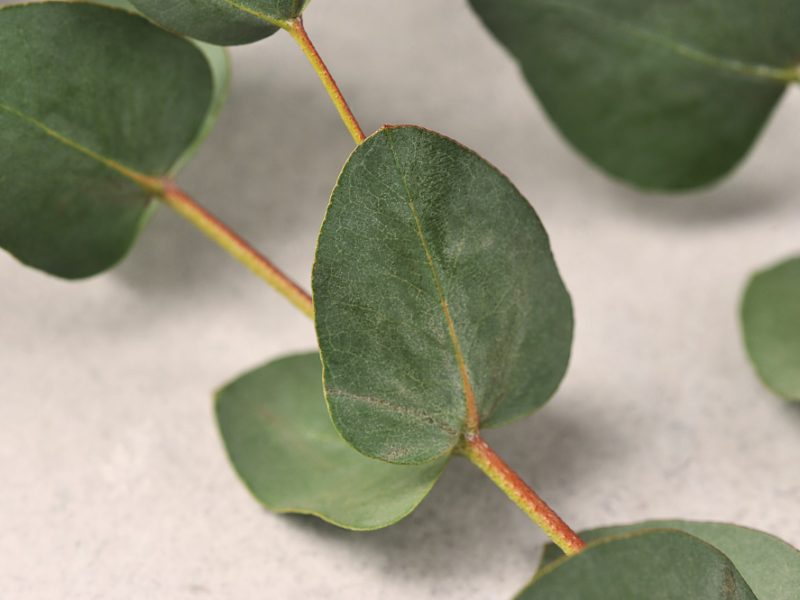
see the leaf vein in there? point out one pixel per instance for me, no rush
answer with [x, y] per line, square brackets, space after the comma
[414, 414]
[72, 144]
[472, 415]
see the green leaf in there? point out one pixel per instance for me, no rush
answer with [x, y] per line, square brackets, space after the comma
[92, 99]
[646, 89]
[282, 443]
[222, 22]
[651, 565]
[771, 322]
[435, 291]
[770, 566]
[220, 65]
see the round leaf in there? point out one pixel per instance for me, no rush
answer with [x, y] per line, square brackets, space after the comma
[770, 566]
[222, 22]
[92, 98]
[282, 443]
[436, 293]
[656, 565]
[771, 321]
[645, 89]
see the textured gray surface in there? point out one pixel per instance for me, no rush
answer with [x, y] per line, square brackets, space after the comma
[115, 485]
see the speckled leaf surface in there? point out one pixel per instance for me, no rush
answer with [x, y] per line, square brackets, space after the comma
[434, 286]
[281, 441]
[664, 95]
[222, 22]
[89, 95]
[771, 322]
[770, 566]
[652, 565]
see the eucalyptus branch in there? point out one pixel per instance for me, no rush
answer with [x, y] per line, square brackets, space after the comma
[474, 447]
[438, 302]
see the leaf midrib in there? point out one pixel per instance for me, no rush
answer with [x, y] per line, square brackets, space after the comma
[111, 164]
[688, 51]
[472, 415]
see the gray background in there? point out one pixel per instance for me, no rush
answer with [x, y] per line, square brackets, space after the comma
[114, 482]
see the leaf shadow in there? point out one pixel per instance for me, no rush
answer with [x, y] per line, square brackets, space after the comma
[752, 189]
[793, 410]
[719, 205]
[459, 528]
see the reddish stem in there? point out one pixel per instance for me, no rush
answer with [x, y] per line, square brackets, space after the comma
[230, 241]
[481, 454]
[297, 31]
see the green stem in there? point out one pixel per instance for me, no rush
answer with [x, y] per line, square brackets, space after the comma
[521, 494]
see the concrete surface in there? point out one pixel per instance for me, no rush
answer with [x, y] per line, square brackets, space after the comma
[114, 482]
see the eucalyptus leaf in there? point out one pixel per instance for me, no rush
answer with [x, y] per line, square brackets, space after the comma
[282, 443]
[220, 65]
[770, 566]
[771, 322]
[663, 94]
[222, 22]
[92, 98]
[652, 565]
[436, 293]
